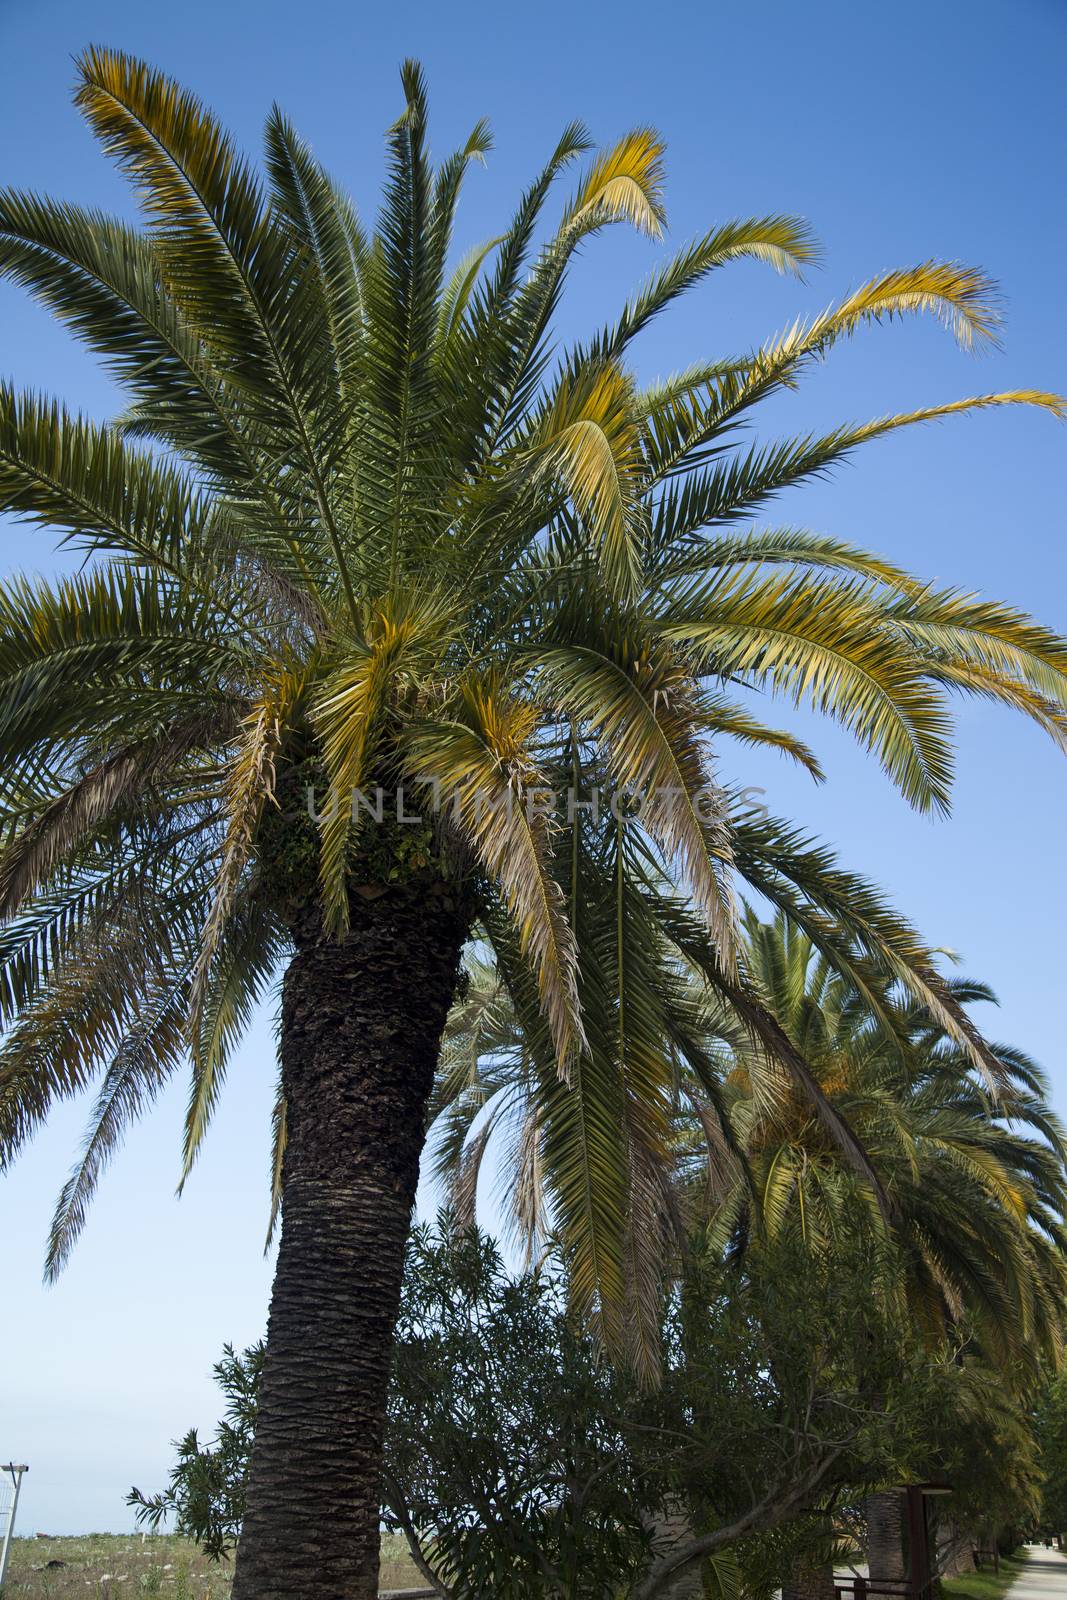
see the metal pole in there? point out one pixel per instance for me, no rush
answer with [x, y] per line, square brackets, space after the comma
[16, 1478]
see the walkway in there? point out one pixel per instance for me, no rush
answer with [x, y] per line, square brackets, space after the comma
[1044, 1576]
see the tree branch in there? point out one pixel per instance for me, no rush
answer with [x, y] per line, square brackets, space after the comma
[398, 1507]
[775, 1508]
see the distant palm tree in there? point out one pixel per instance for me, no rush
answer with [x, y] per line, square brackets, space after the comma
[979, 1202]
[976, 1182]
[378, 534]
[978, 1185]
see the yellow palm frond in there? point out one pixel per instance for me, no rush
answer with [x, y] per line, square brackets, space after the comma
[685, 415]
[823, 643]
[250, 785]
[977, 402]
[961, 297]
[978, 679]
[624, 184]
[348, 715]
[589, 439]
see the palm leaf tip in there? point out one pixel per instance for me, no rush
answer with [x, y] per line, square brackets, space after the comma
[961, 297]
[413, 79]
[625, 184]
[480, 141]
[786, 243]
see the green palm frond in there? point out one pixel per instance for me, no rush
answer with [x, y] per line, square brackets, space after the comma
[638, 710]
[147, 1056]
[83, 481]
[216, 254]
[332, 251]
[223, 998]
[784, 243]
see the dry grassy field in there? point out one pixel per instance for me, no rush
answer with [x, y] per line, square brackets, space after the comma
[104, 1566]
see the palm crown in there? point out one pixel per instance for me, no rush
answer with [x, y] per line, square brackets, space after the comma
[361, 525]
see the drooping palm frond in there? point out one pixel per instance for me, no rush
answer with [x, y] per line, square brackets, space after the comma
[147, 1055]
[482, 762]
[977, 1201]
[625, 183]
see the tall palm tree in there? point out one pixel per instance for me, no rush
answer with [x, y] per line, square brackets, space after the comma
[358, 529]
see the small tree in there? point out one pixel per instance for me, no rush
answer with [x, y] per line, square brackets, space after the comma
[206, 1493]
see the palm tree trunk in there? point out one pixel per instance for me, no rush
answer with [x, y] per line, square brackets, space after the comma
[671, 1527]
[810, 1581]
[885, 1535]
[361, 1029]
[958, 1553]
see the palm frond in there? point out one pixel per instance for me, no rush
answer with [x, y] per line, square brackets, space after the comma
[487, 777]
[638, 709]
[589, 439]
[145, 1059]
[623, 184]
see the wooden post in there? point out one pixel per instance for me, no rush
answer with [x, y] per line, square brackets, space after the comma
[919, 1554]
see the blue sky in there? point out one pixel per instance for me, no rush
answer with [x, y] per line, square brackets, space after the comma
[938, 134]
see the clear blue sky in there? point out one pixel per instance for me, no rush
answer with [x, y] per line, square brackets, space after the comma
[937, 129]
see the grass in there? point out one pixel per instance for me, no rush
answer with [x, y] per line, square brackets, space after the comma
[107, 1566]
[984, 1585]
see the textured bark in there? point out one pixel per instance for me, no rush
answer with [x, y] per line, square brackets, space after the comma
[361, 1029]
[885, 1535]
[809, 1582]
[670, 1530]
[955, 1552]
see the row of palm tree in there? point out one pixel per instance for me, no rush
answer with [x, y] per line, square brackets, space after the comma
[976, 1183]
[363, 525]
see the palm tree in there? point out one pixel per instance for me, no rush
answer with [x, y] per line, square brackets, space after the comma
[359, 529]
[978, 1186]
[976, 1180]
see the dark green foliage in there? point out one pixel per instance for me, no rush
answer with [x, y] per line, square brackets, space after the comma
[508, 1437]
[519, 1462]
[1051, 1427]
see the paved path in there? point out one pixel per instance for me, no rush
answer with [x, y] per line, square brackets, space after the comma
[1044, 1576]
